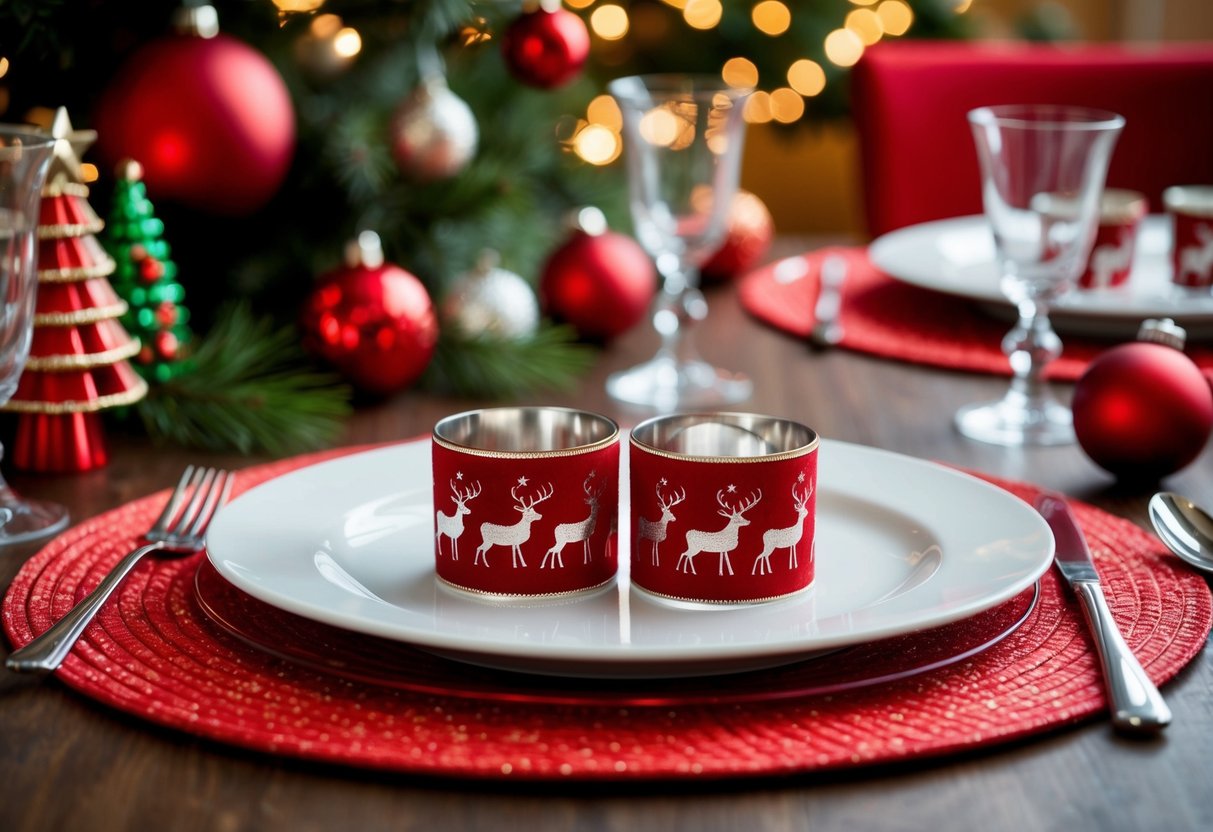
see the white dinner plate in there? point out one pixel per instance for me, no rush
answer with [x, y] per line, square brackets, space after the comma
[902, 545]
[956, 256]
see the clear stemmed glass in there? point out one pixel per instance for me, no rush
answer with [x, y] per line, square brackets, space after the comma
[683, 137]
[1042, 174]
[24, 157]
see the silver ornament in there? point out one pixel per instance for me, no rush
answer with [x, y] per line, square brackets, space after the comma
[491, 301]
[434, 134]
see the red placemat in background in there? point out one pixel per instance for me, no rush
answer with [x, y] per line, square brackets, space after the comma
[153, 653]
[885, 317]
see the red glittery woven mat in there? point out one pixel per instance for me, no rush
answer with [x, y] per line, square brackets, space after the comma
[885, 317]
[153, 653]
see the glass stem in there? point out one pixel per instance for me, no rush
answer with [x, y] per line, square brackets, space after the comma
[678, 305]
[1030, 346]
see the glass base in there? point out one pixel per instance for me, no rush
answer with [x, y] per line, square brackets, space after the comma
[1010, 422]
[24, 521]
[666, 384]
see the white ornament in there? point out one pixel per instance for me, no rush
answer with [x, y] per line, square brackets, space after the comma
[491, 301]
[434, 134]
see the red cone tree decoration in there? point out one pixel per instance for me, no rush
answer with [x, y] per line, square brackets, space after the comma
[78, 356]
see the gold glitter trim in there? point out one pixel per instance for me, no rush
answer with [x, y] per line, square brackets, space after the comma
[82, 316]
[61, 187]
[62, 363]
[63, 408]
[779, 457]
[742, 602]
[79, 273]
[578, 451]
[485, 595]
[61, 232]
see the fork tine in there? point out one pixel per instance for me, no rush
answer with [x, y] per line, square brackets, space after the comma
[201, 489]
[215, 499]
[174, 501]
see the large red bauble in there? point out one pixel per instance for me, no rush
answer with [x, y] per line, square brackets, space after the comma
[546, 49]
[376, 325]
[602, 284]
[210, 120]
[747, 238]
[1142, 410]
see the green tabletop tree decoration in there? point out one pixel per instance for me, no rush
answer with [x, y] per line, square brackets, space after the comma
[146, 278]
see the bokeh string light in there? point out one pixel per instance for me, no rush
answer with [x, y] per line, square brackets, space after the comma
[597, 138]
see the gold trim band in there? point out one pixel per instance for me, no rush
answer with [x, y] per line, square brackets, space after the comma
[63, 408]
[63, 363]
[79, 273]
[82, 316]
[745, 602]
[485, 595]
[61, 232]
[61, 188]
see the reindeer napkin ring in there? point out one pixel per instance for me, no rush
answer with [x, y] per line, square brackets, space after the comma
[723, 507]
[526, 500]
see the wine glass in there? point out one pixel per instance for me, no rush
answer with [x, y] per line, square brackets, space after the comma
[683, 136]
[1042, 175]
[24, 157]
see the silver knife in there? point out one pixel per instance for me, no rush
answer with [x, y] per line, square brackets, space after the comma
[1137, 706]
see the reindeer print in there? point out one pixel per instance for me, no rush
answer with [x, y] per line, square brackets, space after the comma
[1196, 260]
[723, 541]
[492, 534]
[786, 538]
[579, 532]
[451, 525]
[654, 531]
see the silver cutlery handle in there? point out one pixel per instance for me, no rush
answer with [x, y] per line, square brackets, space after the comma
[47, 651]
[1137, 706]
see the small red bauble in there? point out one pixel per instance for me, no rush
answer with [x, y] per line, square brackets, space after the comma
[599, 281]
[373, 321]
[166, 344]
[1144, 410]
[151, 269]
[209, 118]
[747, 238]
[546, 49]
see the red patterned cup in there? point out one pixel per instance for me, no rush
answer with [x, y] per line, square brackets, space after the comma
[723, 507]
[1120, 216]
[1191, 210]
[526, 500]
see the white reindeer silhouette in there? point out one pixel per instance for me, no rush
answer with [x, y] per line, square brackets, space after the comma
[722, 542]
[1108, 260]
[787, 538]
[576, 532]
[451, 525]
[1197, 260]
[513, 536]
[654, 530]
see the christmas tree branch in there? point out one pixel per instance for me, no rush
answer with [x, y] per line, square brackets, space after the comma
[492, 368]
[250, 390]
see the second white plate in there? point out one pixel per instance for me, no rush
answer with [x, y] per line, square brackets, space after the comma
[902, 545]
[956, 256]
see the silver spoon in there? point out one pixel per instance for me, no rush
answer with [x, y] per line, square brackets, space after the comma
[1185, 527]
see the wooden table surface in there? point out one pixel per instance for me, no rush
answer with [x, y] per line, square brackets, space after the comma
[67, 763]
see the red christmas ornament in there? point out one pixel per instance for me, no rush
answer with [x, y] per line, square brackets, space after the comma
[599, 281]
[747, 238]
[546, 47]
[372, 320]
[1144, 410]
[209, 118]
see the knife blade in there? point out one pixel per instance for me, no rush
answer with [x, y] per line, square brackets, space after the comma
[1137, 706]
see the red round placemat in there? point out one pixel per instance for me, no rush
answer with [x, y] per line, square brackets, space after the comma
[153, 653]
[885, 317]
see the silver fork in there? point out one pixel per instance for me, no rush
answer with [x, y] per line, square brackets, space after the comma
[827, 330]
[178, 533]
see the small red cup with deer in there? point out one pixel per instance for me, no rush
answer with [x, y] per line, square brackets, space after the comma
[526, 501]
[723, 507]
[1191, 211]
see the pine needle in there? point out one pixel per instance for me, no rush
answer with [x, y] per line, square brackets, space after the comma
[251, 390]
[491, 368]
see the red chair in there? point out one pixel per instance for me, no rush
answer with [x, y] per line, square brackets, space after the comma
[909, 101]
